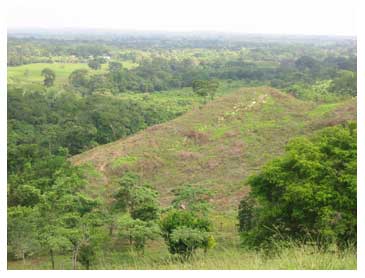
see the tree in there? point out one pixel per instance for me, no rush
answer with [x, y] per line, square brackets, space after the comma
[115, 66]
[144, 204]
[94, 64]
[140, 203]
[87, 254]
[49, 77]
[137, 231]
[69, 219]
[309, 192]
[192, 198]
[186, 240]
[345, 83]
[213, 86]
[125, 185]
[205, 87]
[22, 239]
[51, 232]
[82, 225]
[306, 62]
[79, 78]
[184, 232]
[137, 198]
[246, 214]
[23, 195]
[200, 87]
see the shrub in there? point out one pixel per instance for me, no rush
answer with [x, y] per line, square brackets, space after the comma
[138, 232]
[246, 213]
[184, 232]
[309, 192]
[87, 254]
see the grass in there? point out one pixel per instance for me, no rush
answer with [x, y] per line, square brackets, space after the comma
[124, 160]
[31, 73]
[297, 257]
[323, 109]
[217, 145]
[227, 255]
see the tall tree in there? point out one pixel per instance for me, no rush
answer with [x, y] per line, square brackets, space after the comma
[49, 77]
[94, 64]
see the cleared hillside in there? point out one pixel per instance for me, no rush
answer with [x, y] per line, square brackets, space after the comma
[216, 146]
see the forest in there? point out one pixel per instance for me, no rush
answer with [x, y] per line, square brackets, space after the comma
[181, 151]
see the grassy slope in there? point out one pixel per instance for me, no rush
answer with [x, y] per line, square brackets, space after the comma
[217, 145]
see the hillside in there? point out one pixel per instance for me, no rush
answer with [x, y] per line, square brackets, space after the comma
[216, 146]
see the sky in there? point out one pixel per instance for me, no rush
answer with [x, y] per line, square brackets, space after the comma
[309, 17]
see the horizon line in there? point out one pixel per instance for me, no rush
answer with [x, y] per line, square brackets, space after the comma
[169, 31]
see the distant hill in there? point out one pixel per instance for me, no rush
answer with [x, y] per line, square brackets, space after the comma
[216, 146]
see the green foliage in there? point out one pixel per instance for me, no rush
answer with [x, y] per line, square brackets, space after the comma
[345, 83]
[124, 160]
[144, 204]
[79, 79]
[205, 87]
[54, 215]
[139, 199]
[125, 185]
[22, 239]
[193, 198]
[49, 77]
[23, 195]
[184, 232]
[186, 240]
[87, 254]
[307, 63]
[310, 192]
[94, 64]
[115, 66]
[246, 214]
[138, 232]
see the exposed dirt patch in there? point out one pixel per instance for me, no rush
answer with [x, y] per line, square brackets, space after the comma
[212, 164]
[339, 116]
[148, 165]
[231, 133]
[237, 148]
[185, 155]
[196, 136]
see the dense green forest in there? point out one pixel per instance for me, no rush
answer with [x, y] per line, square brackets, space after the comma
[67, 95]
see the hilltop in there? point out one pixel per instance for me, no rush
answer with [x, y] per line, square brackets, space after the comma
[217, 145]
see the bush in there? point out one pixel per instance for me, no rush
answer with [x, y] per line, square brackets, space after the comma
[309, 192]
[246, 213]
[87, 254]
[184, 232]
[138, 232]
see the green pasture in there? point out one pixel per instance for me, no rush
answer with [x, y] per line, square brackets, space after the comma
[31, 73]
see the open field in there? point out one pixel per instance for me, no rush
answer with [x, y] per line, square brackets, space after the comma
[31, 73]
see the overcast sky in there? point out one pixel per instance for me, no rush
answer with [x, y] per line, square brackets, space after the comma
[332, 17]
